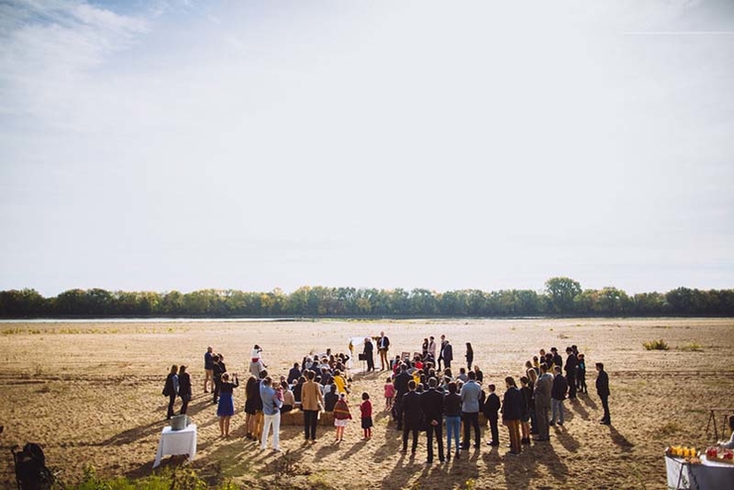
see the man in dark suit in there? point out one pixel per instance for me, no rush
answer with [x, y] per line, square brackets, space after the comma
[368, 354]
[447, 352]
[440, 351]
[602, 389]
[432, 405]
[412, 416]
[401, 388]
[571, 363]
[557, 359]
[383, 345]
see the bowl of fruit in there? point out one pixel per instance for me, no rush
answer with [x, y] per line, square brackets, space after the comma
[720, 455]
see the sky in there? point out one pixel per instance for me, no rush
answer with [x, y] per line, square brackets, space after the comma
[183, 145]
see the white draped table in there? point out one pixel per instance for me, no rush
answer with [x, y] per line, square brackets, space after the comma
[709, 475]
[175, 442]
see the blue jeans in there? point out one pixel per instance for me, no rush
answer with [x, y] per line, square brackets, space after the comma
[453, 426]
[556, 408]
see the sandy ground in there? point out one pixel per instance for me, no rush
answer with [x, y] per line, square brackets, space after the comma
[91, 393]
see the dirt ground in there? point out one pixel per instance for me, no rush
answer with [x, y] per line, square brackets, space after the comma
[90, 393]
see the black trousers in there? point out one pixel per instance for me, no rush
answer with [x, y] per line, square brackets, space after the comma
[471, 419]
[399, 409]
[215, 391]
[310, 420]
[494, 427]
[185, 399]
[370, 362]
[438, 430]
[405, 438]
[571, 379]
[605, 405]
[171, 401]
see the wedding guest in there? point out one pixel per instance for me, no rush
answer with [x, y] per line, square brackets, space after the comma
[432, 406]
[527, 407]
[412, 416]
[170, 389]
[219, 369]
[311, 401]
[365, 414]
[542, 397]
[447, 353]
[289, 401]
[383, 345]
[330, 398]
[209, 368]
[581, 374]
[452, 411]
[602, 389]
[253, 403]
[491, 412]
[368, 354]
[571, 364]
[184, 388]
[389, 394]
[469, 355]
[558, 395]
[512, 414]
[470, 396]
[342, 416]
[479, 374]
[225, 409]
[424, 349]
[256, 361]
[294, 373]
[432, 347]
[271, 412]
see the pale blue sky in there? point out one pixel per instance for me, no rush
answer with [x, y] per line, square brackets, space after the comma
[254, 145]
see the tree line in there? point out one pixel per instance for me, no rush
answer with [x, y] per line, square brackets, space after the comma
[562, 296]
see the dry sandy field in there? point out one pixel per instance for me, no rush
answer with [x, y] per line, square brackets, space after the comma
[90, 393]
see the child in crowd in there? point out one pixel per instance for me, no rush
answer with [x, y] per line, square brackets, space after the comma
[389, 394]
[581, 374]
[341, 416]
[365, 412]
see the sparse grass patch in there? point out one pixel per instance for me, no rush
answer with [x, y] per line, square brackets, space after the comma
[691, 347]
[655, 345]
[669, 429]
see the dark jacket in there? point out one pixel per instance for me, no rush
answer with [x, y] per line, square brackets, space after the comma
[571, 363]
[184, 386]
[218, 371]
[293, 374]
[492, 407]
[452, 405]
[432, 405]
[602, 383]
[512, 405]
[447, 352]
[527, 401]
[401, 383]
[330, 400]
[560, 387]
[412, 411]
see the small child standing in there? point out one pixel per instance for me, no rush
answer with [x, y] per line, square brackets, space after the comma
[491, 409]
[341, 417]
[389, 394]
[365, 412]
[581, 374]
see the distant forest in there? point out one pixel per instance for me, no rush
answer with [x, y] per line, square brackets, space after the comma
[562, 297]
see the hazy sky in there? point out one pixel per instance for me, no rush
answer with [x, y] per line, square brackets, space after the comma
[444, 145]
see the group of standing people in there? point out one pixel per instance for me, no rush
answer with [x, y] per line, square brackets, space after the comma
[422, 395]
[178, 384]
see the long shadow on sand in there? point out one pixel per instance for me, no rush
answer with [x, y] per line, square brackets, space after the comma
[621, 441]
[577, 407]
[567, 441]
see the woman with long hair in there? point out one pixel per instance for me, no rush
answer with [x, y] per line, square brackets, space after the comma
[170, 389]
[184, 388]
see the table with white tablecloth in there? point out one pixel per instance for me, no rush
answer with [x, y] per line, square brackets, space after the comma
[175, 442]
[708, 475]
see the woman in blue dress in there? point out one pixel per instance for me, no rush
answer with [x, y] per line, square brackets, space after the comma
[225, 409]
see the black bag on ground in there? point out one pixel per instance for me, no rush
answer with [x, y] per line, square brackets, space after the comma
[30, 468]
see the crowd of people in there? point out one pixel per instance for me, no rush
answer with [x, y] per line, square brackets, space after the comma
[423, 393]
